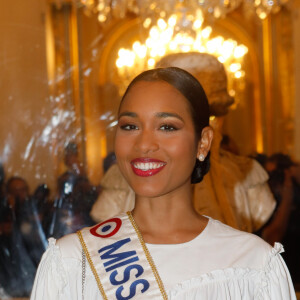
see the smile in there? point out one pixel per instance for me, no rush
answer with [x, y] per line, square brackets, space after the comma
[147, 166]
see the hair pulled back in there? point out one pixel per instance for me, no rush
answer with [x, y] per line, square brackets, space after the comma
[192, 90]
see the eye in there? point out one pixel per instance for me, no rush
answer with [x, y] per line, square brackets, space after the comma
[128, 127]
[168, 127]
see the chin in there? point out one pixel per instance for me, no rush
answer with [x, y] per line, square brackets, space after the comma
[147, 191]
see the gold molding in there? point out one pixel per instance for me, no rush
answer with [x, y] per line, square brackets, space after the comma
[111, 37]
[268, 80]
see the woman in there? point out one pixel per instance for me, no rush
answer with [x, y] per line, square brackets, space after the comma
[163, 249]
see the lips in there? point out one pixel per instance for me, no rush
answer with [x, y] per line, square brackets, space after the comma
[147, 166]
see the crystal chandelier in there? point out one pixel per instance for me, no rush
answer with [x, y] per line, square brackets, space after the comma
[166, 37]
[153, 9]
[176, 26]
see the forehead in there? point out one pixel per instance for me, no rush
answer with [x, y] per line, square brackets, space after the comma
[156, 95]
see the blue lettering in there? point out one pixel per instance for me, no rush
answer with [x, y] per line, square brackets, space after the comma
[117, 257]
[123, 263]
[132, 288]
[126, 277]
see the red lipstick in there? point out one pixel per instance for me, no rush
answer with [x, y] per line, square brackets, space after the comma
[145, 166]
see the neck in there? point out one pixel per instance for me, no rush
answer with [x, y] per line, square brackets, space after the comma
[169, 218]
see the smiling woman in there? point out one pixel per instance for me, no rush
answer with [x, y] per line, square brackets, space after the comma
[163, 249]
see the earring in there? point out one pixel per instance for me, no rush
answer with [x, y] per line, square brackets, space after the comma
[201, 157]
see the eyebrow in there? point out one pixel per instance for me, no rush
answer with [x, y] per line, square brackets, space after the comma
[160, 115]
[128, 114]
[168, 114]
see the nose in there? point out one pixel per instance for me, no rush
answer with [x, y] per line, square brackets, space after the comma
[146, 142]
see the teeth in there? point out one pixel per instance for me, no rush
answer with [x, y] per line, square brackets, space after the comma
[148, 166]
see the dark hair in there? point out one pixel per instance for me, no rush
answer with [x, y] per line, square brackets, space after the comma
[11, 180]
[42, 191]
[108, 161]
[71, 148]
[2, 174]
[282, 161]
[260, 157]
[192, 90]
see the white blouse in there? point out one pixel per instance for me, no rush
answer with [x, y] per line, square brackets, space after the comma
[221, 263]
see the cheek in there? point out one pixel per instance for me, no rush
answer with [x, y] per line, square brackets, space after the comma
[184, 151]
[123, 148]
[182, 145]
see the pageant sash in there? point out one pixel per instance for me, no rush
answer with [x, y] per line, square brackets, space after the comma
[120, 261]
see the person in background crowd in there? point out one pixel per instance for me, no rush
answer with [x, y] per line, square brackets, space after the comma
[17, 191]
[2, 184]
[17, 268]
[261, 158]
[284, 225]
[43, 205]
[27, 218]
[71, 159]
[108, 161]
[41, 198]
[75, 197]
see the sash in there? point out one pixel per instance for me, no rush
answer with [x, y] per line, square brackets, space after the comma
[120, 260]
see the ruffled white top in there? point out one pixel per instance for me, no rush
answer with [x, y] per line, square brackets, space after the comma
[219, 264]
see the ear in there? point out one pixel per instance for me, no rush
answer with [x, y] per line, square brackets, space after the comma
[205, 141]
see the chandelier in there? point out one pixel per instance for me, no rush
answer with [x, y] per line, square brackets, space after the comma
[154, 9]
[166, 37]
[176, 26]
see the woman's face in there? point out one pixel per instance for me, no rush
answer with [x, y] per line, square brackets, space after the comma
[155, 143]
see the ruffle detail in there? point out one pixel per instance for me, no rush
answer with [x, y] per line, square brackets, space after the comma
[277, 249]
[266, 273]
[212, 277]
[259, 280]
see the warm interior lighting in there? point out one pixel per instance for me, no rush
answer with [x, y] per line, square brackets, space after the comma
[165, 38]
[152, 10]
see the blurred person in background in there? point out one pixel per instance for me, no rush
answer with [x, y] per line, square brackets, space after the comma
[109, 161]
[75, 197]
[261, 158]
[2, 184]
[27, 219]
[17, 268]
[43, 204]
[284, 225]
[17, 191]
